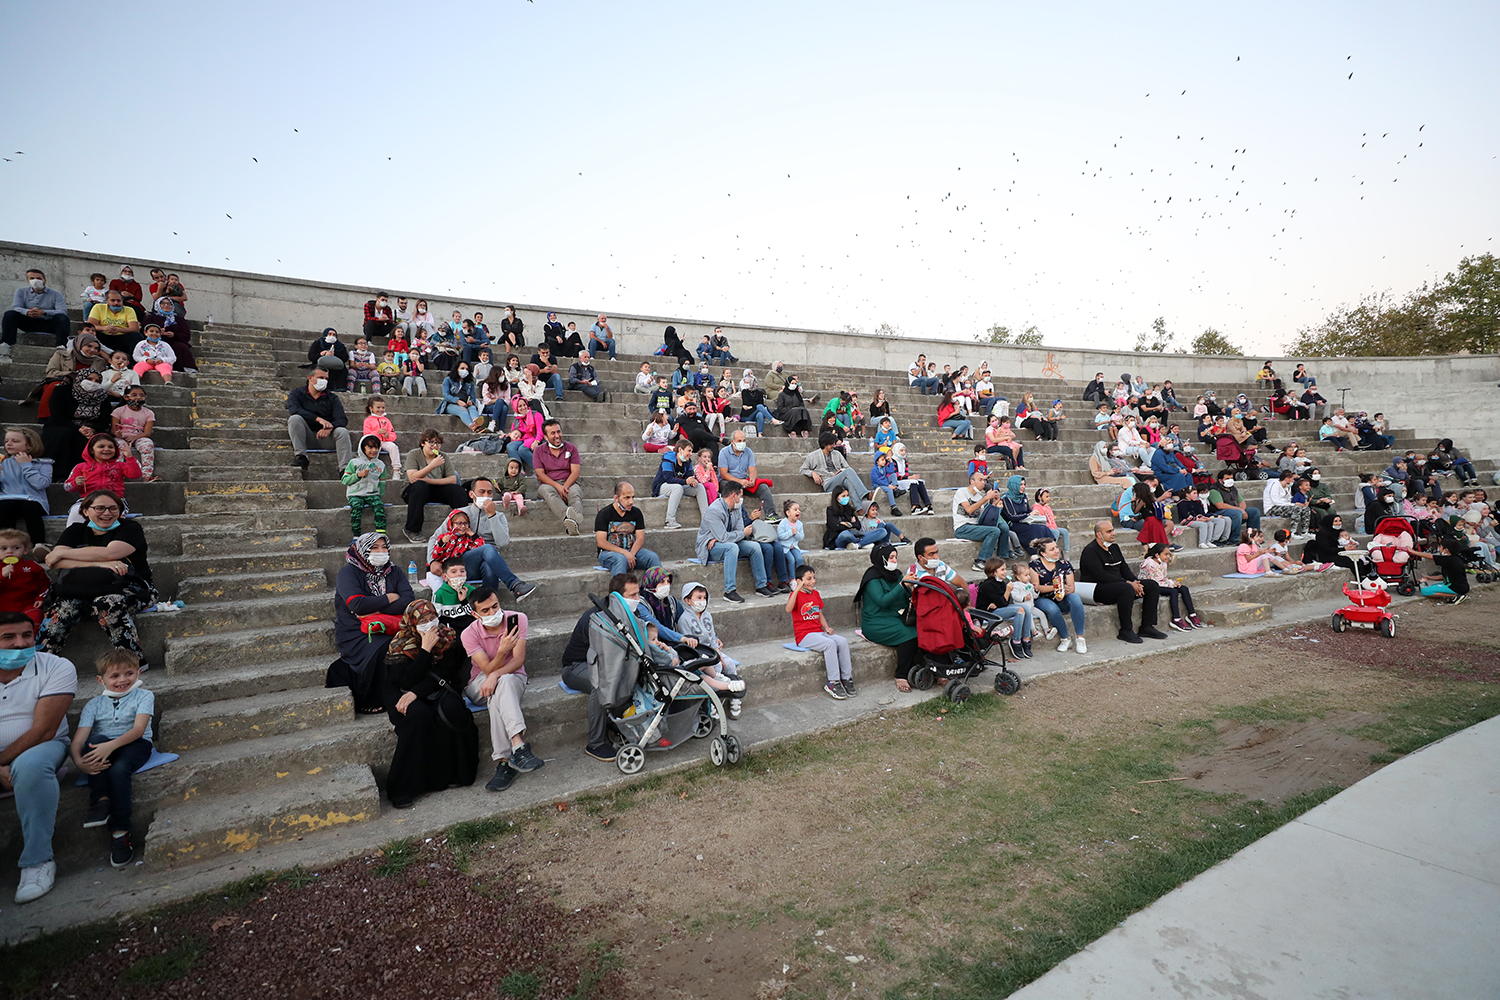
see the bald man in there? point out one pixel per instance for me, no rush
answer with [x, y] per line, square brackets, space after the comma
[1103, 564]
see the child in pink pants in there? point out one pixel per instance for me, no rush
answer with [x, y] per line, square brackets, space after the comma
[153, 355]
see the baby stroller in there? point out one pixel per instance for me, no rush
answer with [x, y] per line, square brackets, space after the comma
[1387, 561]
[950, 647]
[1239, 458]
[670, 705]
[1368, 608]
[1458, 542]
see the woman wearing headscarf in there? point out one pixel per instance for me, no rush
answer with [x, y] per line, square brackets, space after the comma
[78, 408]
[656, 592]
[672, 346]
[1106, 465]
[426, 671]
[792, 411]
[882, 595]
[85, 353]
[1015, 507]
[329, 353]
[907, 479]
[368, 584]
[753, 404]
[1325, 549]
[175, 332]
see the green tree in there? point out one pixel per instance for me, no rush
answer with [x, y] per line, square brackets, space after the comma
[998, 334]
[1211, 341]
[1470, 302]
[1158, 340]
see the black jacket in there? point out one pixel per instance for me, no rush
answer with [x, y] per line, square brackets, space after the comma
[300, 403]
[1097, 564]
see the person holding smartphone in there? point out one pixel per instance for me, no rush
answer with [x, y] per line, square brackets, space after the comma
[496, 644]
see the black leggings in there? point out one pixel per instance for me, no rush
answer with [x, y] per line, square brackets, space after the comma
[918, 493]
[906, 658]
[421, 493]
[15, 512]
[1187, 599]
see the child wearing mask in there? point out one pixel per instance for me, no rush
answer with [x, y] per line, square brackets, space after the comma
[452, 598]
[154, 355]
[362, 485]
[697, 622]
[362, 363]
[131, 426]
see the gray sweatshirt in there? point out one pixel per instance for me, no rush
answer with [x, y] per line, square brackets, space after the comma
[826, 466]
[720, 524]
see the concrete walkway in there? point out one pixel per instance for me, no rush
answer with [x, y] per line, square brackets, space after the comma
[1390, 889]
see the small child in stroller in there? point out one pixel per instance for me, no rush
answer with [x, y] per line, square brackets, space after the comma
[697, 622]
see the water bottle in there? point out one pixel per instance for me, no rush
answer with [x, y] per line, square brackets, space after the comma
[411, 574]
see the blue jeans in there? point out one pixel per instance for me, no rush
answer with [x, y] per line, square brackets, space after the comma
[487, 564]
[959, 426]
[1053, 611]
[1061, 534]
[926, 386]
[989, 538]
[608, 343]
[114, 781]
[468, 414]
[500, 414]
[786, 561]
[761, 416]
[516, 449]
[730, 554]
[555, 381]
[34, 775]
[1465, 470]
[471, 351]
[890, 492]
[1019, 620]
[615, 563]
[861, 538]
[1238, 518]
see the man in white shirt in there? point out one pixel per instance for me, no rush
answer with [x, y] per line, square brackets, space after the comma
[917, 375]
[968, 504]
[35, 692]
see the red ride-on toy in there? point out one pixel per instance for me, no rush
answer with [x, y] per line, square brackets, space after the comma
[1368, 609]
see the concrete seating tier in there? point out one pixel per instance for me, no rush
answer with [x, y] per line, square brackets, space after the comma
[252, 545]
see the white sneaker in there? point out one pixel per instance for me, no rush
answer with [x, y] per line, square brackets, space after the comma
[671, 526]
[36, 881]
[570, 526]
[1051, 633]
[1065, 645]
[1207, 545]
[1082, 646]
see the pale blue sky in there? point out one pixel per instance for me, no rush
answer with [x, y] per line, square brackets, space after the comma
[937, 166]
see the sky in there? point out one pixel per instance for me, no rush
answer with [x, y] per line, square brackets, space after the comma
[939, 167]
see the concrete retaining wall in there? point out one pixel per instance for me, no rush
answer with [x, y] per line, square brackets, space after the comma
[1410, 389]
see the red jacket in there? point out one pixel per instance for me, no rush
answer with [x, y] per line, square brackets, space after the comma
[102, 476]
[374, 314]
[26, 585]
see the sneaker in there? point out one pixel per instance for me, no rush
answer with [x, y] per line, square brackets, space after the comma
[735, 685]
[98, 814]
[671, 526]
[1051, 633]
[570, 526]
[120, 850]
[1180, 625]
[765, 591]
[1129, 637]
[523, 590]
[1065, 645]
[850, 547]
[36, 881]
[1207, 545]
[300, 461]
[978, 566]
[834, 690]
[784, 589]
[412, 537]
[1026, 648]
[1175, 547]
[1459, 599]
[1196, 622]
[504, 775]
[895, 511]
[849, 688]
[522, 759]
[1152, 632]
[1080, 645]
[600, 751]
[1015, 650]
[733, 597]
[734, 707]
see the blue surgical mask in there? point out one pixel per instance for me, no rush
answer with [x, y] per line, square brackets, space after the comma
[100, 527]
[15, 659]
[844, 501]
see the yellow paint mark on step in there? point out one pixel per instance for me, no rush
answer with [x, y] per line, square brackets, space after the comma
[282, 774]
[315, 770]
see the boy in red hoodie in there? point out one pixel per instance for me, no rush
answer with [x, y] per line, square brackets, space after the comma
[23, 581]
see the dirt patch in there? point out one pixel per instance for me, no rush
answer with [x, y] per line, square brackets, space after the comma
[734, 962]
[1273, 763]
[1425, 650]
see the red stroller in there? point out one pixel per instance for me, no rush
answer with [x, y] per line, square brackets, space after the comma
[950, 646]
[1238, 457]
[1384, 557]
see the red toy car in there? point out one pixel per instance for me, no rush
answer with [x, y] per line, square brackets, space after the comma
[1369, 608]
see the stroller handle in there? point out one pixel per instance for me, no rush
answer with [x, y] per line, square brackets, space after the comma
[702, 657]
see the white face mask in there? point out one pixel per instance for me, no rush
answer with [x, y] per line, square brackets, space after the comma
[698, 605]
[929, 563]
[494, 620]
[426, 627]
[378, 559]
[631, 602]
[890, 566]
[739, 446]
[1316, 478]
[330, 338]
[664, 591]
[37, 284]
[320, 384]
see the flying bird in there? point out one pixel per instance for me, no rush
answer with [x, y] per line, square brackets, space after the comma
[1351, 76]
[228, 216]
[253, 158]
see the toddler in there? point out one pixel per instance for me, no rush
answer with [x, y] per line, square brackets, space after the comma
[388, 372]
[1023, 593]
[812, 631]
[378, 425]
[102, 468]
[512, 487]
[697, 622]
[94, 294]
[132, 425]
[362, 478]
[113, 742]
[23, 580]
[119, 376]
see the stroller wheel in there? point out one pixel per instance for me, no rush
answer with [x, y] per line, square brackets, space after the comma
[958, 692]
[1007, 682]
[921, 678]
[1340, 623]
[1388, 628]
[1405, 588]
[732, 749]
[718, 752]
[705, 723]
[630, 758]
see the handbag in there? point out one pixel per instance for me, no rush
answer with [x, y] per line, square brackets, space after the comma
[908, 613]
[989, 517]
[446, 699]
[760, 531]
[379, 624]
[88, 582]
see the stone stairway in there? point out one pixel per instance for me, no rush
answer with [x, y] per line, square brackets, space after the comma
[252, 544]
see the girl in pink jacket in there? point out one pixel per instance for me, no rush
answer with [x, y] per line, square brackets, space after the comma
[378, 424]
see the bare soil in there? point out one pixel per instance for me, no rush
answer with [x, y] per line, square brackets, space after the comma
[1274, 763]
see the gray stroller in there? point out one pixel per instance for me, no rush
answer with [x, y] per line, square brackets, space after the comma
[674, 706]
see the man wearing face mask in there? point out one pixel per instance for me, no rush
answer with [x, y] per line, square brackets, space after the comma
[35, 309]
[115, 324]
[1224, 500]
[314, 410]
[724, 536]
[380, 319]
[487, 520]
[737, 465]
[36, 689]
[496, 644]
[129, 289]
